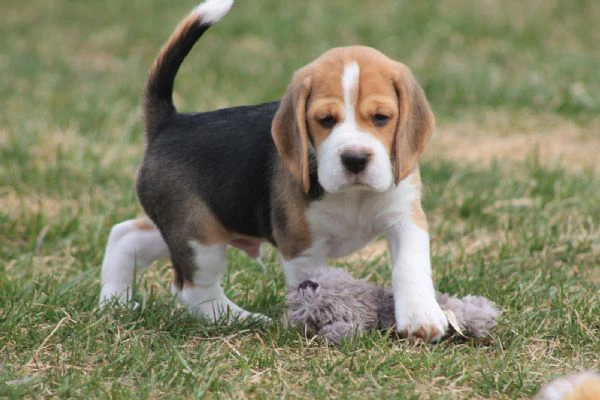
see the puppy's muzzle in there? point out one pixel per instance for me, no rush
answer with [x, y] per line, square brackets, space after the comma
[355, 161]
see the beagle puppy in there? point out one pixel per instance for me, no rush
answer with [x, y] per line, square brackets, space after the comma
[318, 175]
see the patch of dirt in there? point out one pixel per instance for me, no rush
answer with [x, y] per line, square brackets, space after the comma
[14, 204]
[595, 275]
[501, 136]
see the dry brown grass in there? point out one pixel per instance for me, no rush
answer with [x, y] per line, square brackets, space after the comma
[14, 204]
[502, 137]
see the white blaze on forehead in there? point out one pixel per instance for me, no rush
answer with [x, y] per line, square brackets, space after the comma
[348, 136]
[350, 79]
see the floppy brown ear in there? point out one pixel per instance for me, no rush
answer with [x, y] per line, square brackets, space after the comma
[415, 124]
[289, 129]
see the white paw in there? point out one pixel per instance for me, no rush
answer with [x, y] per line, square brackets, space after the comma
[258, 317]
[114, 294]
[217, 310]
[211, 303]
[419, 317]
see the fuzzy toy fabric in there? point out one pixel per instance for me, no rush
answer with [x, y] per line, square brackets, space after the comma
[329, 302]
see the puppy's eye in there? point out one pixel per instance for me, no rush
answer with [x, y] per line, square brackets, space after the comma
[328, 121]
[380, 119]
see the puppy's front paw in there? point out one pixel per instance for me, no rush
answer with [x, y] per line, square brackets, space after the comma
[416, 317]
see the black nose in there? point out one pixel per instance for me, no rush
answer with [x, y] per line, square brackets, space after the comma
[308, 284]
[355, 161]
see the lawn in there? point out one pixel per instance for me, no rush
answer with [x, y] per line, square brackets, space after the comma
[512, 193]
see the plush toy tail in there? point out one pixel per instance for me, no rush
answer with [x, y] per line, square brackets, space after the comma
[476, 316]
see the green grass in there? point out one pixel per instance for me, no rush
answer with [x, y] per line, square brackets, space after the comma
[523, 233]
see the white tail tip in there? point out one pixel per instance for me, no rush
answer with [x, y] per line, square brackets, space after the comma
[211, 11]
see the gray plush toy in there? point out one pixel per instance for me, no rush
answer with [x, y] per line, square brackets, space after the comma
[329, 302]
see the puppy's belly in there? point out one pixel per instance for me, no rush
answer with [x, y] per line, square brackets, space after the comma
[250, 246]
[341, 247]
[335, 247]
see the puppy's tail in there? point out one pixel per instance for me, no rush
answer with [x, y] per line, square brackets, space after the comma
[158, 98]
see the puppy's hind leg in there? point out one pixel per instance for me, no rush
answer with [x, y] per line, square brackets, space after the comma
[201, 289]
[132, 246]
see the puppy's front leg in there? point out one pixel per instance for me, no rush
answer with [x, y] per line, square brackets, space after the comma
[416, 309]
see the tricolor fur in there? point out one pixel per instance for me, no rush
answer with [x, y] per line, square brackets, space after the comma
[318, 175]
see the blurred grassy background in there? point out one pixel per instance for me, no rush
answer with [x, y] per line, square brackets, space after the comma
[541, 55]
[516, 90]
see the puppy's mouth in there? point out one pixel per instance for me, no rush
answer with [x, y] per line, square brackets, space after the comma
[357, 181]
[365, 181]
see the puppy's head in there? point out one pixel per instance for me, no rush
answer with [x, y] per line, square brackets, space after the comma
[364, 116]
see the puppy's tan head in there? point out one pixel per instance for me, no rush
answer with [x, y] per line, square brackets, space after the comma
[365, 116]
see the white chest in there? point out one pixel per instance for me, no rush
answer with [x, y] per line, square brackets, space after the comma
[345, 222]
